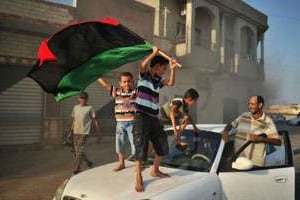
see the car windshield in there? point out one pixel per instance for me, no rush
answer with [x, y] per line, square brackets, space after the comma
[199, 155]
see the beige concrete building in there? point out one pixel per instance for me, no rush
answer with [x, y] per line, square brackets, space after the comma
[221, 46]
[24, 114]
[219, 42]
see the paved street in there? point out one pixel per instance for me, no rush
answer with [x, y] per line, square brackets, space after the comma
[35, 175]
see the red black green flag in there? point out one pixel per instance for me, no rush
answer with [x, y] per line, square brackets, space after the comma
[75, 57]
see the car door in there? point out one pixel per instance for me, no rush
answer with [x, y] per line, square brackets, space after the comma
[274, 181]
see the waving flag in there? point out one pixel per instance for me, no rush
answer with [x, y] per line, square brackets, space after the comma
[74, 57]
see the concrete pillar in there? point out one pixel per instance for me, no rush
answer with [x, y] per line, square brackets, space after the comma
[255, 41]
[156, 20]
[262, 48]
[237, 45]
[166, 11]
[213, 39]
[215, 32]
[223, 39]
[189, 26]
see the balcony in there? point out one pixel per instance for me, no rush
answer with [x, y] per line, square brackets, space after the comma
[251, 68]
[201, 59]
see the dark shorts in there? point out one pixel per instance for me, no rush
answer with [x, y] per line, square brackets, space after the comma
[147, 128]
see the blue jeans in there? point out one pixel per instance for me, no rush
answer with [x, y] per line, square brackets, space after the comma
[124, 133]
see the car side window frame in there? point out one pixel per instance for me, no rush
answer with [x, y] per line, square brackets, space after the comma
[225, 165]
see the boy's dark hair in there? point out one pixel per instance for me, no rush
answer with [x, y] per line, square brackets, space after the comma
[83, 95]
[159, 60]
[127, 74]
[191, 93]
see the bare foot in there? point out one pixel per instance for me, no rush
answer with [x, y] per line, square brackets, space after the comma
[119, 167]
[159, 174]
[139, 183]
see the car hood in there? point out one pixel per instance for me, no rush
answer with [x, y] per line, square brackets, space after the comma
[103, 183]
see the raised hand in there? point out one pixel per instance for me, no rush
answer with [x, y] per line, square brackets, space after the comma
[173, 63]
[155, 50]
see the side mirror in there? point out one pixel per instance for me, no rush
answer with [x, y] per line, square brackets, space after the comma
[242, 163]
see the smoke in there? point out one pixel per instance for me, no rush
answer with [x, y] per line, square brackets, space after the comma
[281, 84]
[272, 90]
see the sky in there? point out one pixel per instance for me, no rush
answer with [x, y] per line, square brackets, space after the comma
[282, 48]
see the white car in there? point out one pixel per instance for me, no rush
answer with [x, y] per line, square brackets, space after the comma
[208, 170]
[294, 121]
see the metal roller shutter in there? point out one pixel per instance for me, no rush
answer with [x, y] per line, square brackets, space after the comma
[20, 111]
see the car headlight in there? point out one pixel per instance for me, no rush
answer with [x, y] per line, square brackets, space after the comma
[60, 190]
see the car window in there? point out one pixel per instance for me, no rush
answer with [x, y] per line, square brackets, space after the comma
[199, 155]
[275, 156]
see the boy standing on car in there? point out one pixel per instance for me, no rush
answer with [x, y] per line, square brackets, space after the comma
[82, 115]
[147, 125]
[124, 113]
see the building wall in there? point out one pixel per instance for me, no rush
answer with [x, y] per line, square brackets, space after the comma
[245, 11]
[37, 11]
[224, 81]
[156, 6]
[24, 45]
[24, 23]
[136, 16]
[223, 85]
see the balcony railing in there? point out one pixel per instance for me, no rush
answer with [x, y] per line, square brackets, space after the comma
[250, 67]
[205, 43]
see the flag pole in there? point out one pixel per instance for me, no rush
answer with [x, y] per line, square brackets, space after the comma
[168, 57]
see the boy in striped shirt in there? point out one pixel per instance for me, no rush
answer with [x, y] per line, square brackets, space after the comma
[147, 125]
[124, 112]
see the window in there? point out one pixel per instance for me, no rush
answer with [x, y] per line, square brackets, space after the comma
[247, 43]
[229, 52]
[204, 29]
[199, 155]
[276, 156]
[197, 36]
[180, 33]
